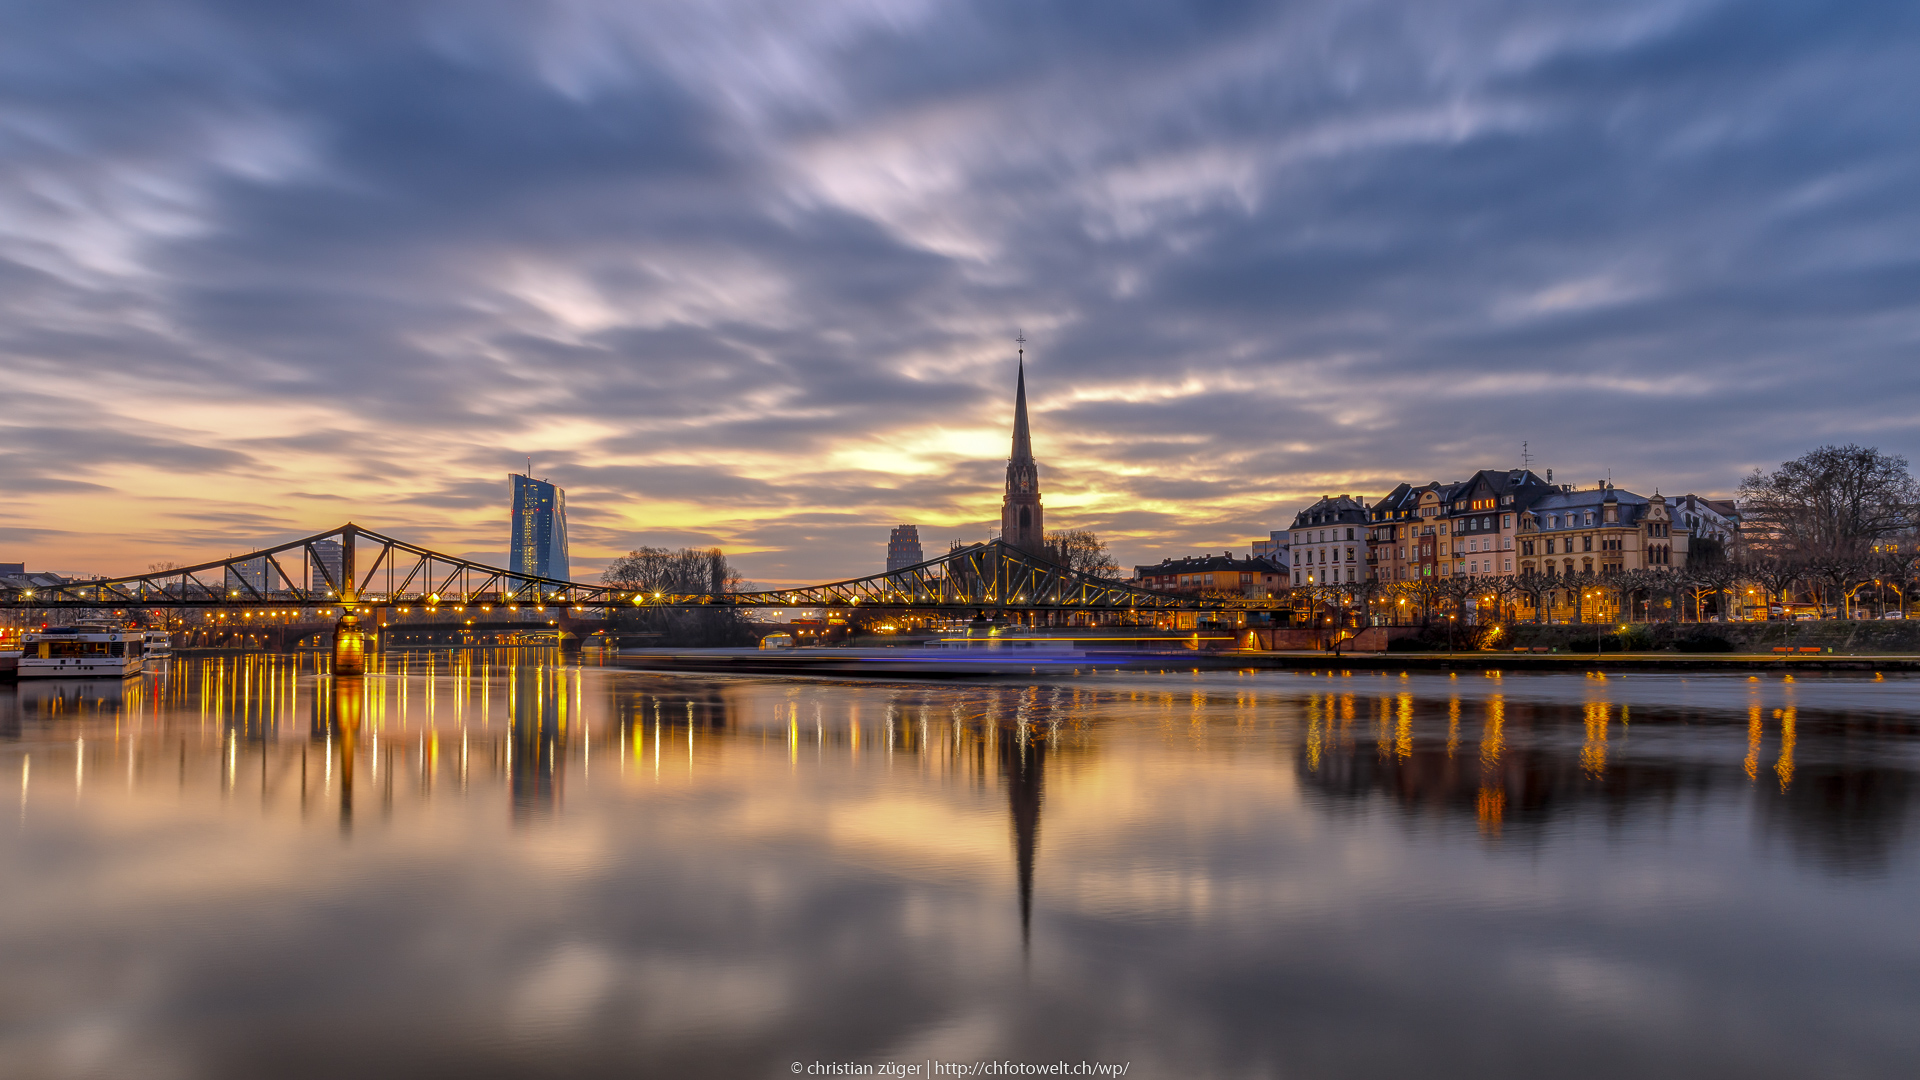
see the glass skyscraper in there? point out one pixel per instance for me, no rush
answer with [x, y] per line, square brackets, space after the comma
[539, 546]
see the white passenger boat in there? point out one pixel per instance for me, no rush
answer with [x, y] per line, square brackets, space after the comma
[86, 651]
[159, 645]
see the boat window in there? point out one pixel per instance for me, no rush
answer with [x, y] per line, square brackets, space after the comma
[49, 649]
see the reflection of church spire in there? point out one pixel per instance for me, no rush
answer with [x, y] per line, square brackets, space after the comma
[1023, 765]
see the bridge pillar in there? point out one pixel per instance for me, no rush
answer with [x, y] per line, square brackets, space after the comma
[349, 646]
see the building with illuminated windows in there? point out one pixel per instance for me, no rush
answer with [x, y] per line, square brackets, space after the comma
[1214, 575]
[1329, 542]
[539, 541]
[1465, 528]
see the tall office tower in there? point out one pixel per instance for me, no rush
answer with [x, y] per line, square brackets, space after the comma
[1021, 522]
[903, 548]
[324, 567]
[539, 544]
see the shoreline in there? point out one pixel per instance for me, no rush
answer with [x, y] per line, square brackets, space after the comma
[874, 664]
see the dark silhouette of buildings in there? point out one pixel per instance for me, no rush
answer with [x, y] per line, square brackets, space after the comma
[903, 547]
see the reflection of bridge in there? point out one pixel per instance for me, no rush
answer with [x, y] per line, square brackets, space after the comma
[368, 569]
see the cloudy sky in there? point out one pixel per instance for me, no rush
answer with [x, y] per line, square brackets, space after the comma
[746, 272]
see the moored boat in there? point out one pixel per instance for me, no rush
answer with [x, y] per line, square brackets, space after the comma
[86, 651]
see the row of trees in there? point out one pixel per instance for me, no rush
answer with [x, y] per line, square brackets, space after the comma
[686, 572]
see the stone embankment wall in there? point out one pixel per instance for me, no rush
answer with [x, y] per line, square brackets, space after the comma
[1856, 636]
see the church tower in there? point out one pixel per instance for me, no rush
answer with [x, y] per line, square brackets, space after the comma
[1021, 521]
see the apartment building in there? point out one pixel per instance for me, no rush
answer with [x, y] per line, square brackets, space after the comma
[1328, 542]
[1214, 575]
[1468, 527]
[1600, 530]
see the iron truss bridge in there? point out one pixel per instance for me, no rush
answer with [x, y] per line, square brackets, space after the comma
[352, 566]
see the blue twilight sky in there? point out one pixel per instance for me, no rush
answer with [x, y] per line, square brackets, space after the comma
[746, 272]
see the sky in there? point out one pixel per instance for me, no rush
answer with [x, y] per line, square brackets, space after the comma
[747, 273]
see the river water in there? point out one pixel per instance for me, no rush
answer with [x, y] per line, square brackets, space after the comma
[506, 864]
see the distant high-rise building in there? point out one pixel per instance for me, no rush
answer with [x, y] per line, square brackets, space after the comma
[539, 542]
[248, 577]
[903, 548]
[1274, 549]
[325, 570]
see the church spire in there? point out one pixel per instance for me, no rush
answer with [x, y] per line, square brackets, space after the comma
[1022, 438]
[1021, 517]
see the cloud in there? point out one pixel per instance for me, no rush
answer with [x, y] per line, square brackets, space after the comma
[722, 267]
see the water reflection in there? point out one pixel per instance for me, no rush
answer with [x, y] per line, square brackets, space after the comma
[1546, 758]
[552, 869]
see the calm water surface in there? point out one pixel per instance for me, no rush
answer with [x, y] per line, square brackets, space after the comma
[500, 864]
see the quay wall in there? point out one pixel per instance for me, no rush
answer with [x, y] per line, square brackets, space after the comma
[1842, 636]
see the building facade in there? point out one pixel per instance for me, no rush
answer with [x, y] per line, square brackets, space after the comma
[1600, 530]
[538, 545]
[903, 547]
[1465, 528]
[1214, 575]
[1328, 542]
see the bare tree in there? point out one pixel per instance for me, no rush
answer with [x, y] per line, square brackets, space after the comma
[1720, 579]
[1426, 593]
[1084, 552]
[1832, 501]
[1504, 590]
[1776, 574]
[1835, 574]
[687, 572]
[1893, 564]
[1536, 588]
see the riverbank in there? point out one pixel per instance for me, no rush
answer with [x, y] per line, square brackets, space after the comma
[972, 664]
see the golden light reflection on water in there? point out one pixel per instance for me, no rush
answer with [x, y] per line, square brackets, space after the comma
[1453, 725]
[1783, 768]
[1490, 807]
[1593, 753]
[1403, 730]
